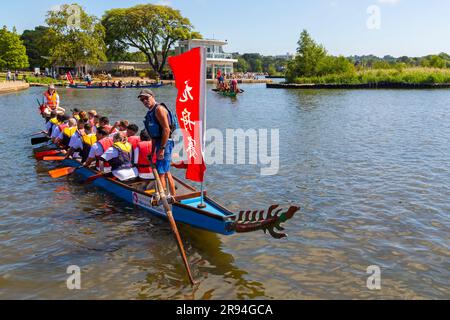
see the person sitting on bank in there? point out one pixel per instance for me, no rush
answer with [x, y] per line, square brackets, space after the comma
[104, 142]
[119, 157]
[142, 153]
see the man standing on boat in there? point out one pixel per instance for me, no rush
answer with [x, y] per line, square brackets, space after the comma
[159, 124]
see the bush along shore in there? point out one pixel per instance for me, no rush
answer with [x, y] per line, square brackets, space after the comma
[314, 68]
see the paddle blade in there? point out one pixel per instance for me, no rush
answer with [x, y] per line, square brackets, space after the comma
[54, 158]
[59, 173]
[41, 155]
[39, 140]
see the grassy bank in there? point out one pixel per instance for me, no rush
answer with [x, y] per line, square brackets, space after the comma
[406, 76]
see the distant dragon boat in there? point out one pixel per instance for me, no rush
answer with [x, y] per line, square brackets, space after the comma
[151, 86]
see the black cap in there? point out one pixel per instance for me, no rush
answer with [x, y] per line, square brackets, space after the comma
[76, 110]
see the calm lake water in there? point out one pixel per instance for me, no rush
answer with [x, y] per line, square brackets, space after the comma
[370, 170]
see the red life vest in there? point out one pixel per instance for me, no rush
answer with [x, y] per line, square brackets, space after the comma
[145, 150]
[105, 143]
[62, 127]
[134, 141]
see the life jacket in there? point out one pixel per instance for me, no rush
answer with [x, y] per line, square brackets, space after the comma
[77, 117]
[134, 140]
[105, 143]
[52, 99]
[123, 160]
[54, 122]
[67, 134]
[62, 127]
[145, 150]
[88, 141]
[152, 125]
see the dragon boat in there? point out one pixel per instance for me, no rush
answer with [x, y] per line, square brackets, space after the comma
[214, 217]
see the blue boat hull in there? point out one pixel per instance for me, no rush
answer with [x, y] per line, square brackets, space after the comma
[213, 218]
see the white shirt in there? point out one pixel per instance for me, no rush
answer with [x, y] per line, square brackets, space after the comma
[122, 174]
[76, 142]
[55, 132]
[48, 126]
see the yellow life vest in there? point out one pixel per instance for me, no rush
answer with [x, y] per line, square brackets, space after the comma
[55, 121]
[69, 132]
[125, 147]
[89, 139]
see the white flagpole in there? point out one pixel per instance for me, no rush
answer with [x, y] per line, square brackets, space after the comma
[203, 101]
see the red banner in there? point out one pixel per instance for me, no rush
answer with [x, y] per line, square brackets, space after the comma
[189, 70]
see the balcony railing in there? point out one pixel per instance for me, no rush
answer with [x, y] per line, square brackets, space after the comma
[219, 55]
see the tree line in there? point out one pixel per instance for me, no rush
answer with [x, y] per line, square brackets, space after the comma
[72, 37]
[312, 62]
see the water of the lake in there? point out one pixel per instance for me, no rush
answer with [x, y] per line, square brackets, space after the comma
[370, 169]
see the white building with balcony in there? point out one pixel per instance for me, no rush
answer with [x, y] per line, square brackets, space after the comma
[216, 58]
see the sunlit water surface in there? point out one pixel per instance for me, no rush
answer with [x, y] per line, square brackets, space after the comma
[370, 170]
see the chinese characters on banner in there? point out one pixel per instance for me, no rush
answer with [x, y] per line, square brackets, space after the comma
[189, 70]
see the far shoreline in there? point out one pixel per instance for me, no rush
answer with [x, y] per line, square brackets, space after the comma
[379, 85]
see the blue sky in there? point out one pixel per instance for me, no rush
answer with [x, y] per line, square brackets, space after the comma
[407, 27]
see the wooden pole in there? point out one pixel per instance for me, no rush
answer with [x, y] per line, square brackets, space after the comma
[173, 225]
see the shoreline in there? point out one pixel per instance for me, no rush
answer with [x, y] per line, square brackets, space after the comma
[380, 85]
[13, 86]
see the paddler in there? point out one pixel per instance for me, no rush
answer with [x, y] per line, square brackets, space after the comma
[76, 114]
[63, 121]
[142, 154]
[119, 157]
[52, 122]
[81, 142]
[132, 131]
[52, 100]
[104, 142]
[63, 139]
[104, 123]
[160, 124]
[76, 142]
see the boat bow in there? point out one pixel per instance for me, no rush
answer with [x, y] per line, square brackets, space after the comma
[250, 221]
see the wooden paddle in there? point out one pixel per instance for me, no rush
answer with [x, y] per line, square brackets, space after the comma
[169, 214]
[49, 153]
[59, 173]
[54, 158]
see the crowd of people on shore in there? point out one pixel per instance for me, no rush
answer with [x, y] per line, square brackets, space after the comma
[120, 150]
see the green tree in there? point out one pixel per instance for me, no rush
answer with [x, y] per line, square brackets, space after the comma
[13, 54]
[309, 55]
[152, 29]
[75, 37]
[37, 44]
[242, 65]
[334, 65]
